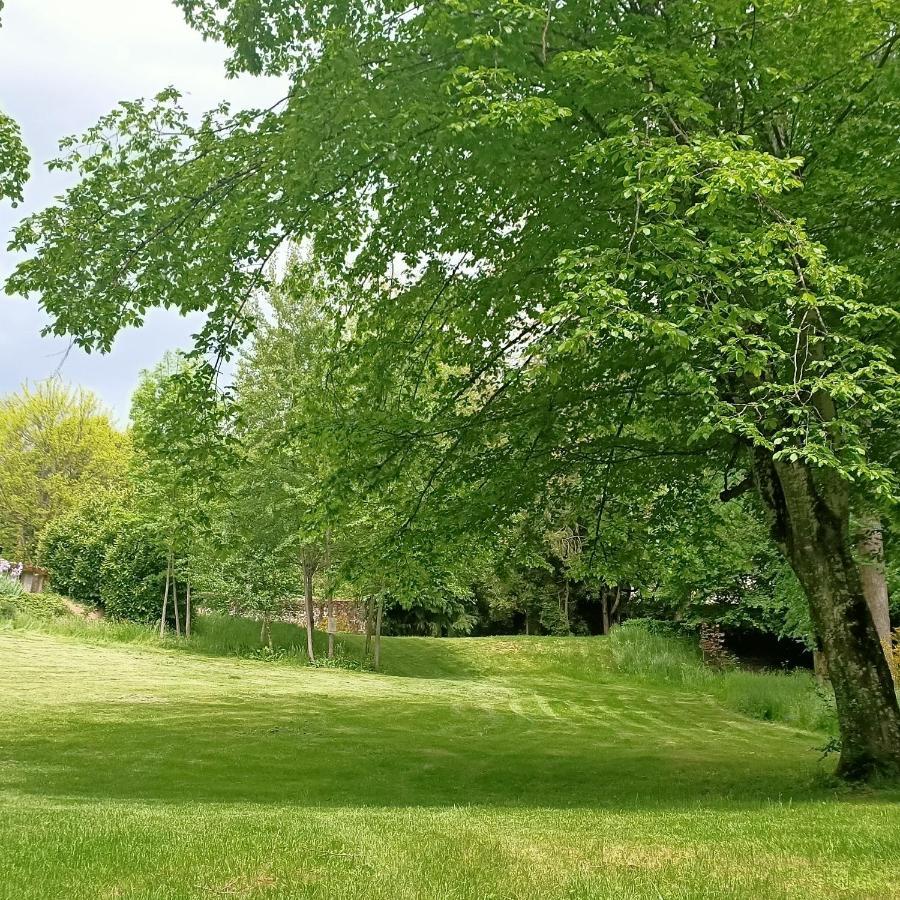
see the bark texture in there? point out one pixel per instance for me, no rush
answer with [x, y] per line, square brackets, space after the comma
[810, 515]
[870, 548]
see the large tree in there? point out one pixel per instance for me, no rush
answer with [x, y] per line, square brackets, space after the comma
[57, 446]
[636, 240]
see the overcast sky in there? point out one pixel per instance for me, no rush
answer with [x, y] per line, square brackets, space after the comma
[63, 64]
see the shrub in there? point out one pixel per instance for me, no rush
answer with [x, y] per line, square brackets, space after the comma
[74, 546]
[133, 574]
[33, 606]
[42, 606]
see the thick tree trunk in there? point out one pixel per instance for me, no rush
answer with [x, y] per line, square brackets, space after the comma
[810, 513]
[870, 548]
[308, 572]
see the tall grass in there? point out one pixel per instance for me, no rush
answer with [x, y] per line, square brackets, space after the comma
[792, 698]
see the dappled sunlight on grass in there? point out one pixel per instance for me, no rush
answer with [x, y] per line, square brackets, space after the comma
[138, 770]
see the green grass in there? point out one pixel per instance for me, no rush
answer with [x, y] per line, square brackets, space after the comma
[471, 769]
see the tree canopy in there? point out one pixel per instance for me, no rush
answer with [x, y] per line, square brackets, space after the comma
[605, 250]
[57, 446]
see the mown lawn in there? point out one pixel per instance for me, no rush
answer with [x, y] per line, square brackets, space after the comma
[472, 769]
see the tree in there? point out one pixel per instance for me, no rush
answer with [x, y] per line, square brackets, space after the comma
[643, 237]
[179, 429]
[14, 158]
[283, 396]
[57, 446]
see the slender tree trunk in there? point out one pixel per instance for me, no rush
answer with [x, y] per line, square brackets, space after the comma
[331, 629]
[604, 603]
[187, 611]
[370, 620]
[810, 513]
[165, 603]
[378, 617]
[329, 598]
[308, 572]
[175, 605]
[870, 548]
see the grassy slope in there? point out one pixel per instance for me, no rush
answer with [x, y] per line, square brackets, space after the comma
[473, 769]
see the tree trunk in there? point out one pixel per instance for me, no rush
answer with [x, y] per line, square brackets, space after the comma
[378, 617]
[370, 618]
[604, 602]
[870, 548]
[810, 516]
[331, 629]
[165, 604]
[187, 611]
[614, 613]
[308, 572]
[175, 605]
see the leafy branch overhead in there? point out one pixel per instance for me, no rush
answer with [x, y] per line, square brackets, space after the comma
[606, 250]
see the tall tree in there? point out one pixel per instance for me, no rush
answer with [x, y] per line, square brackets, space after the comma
[57, 446]
[180, 436]
[642, 230]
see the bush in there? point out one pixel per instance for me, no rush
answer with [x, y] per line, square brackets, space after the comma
[133, 574]
[74, 546]
[33, 606]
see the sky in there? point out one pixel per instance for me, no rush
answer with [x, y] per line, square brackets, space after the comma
[63, 64]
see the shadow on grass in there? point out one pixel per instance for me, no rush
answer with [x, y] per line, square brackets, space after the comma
[373, 751]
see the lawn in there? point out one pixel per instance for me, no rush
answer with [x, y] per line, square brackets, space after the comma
[473, 768]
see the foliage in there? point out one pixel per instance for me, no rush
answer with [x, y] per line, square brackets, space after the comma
[132, 575]
[181, 447]
[600, 256]
[74, 545]
[14, 158]
[10, 588]
[32, 606]
[57, 446]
